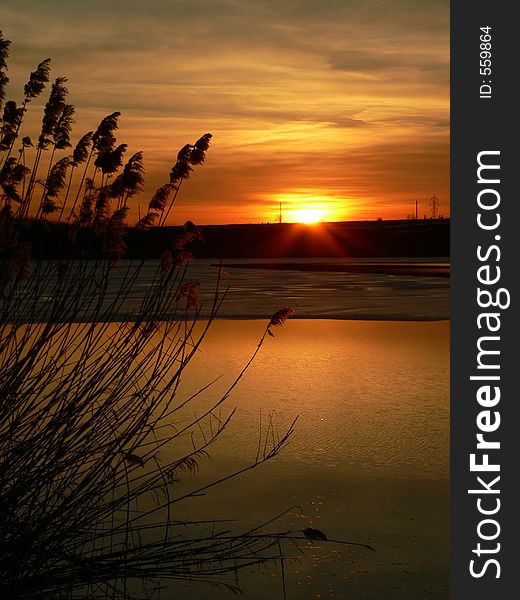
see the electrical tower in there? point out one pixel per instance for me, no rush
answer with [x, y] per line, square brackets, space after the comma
[434, 205]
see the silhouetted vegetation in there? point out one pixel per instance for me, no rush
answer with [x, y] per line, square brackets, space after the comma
[286, 240]
[94, 435]
[89, 184]
[94, 432]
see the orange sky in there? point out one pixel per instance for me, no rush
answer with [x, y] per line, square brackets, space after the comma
[336, 106]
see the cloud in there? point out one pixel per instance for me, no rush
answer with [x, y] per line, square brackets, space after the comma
[310, 94]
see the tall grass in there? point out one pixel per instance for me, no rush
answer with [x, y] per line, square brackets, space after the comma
[94, 437]
[94, 433]
[46, 177]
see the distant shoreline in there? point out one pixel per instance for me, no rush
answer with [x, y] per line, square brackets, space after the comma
[410, 269]
[349, 239]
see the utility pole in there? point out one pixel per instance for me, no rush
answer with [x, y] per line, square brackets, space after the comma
[434, 203]
[416, 208]
[280, 216]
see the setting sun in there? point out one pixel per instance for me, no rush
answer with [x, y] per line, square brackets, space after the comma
[309, 216]
[308, 208]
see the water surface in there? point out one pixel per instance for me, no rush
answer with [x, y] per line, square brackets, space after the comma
[369, 459]
[312, 290]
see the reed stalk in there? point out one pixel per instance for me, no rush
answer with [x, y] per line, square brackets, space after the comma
[94, 431]
[89, 455]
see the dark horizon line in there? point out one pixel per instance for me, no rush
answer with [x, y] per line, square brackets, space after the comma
[310, 225]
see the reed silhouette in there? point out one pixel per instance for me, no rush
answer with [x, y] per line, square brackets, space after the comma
[92, 443]
[94, 433]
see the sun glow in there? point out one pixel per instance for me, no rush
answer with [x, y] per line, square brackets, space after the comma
[309, 216]
[302, 207]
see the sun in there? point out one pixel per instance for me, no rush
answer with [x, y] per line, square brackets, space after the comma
[307, 208]
[309, 216]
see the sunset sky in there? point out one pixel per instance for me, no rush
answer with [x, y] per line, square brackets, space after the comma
[334, 106]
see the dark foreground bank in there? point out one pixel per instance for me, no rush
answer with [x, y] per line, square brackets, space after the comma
[275, 240]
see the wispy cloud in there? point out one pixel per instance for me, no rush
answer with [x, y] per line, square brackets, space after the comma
[347, 97]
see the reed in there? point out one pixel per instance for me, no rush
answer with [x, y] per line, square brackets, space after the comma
[90, 457]
[4, 54]
[94, 433]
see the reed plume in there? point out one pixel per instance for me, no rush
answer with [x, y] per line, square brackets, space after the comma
[4, 55]
[32, 89]
[198, 152]
[100, 143]
[146, 221]
[130, 181]
[156, 206]
[103, 137]
[56, 180]
[53, 111]
[56, 172]
[190, 291]
[86, 212]
[101, 200]
[111, 160]
[188, 155]
[162, 201]
[191, 233]
[11, 175]
[82, 148]
[54, 184]
[11, 120]
[61, 133]
[281, 316]
[181, 169]
[160, 198]
[104, 142]
[37, 80]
